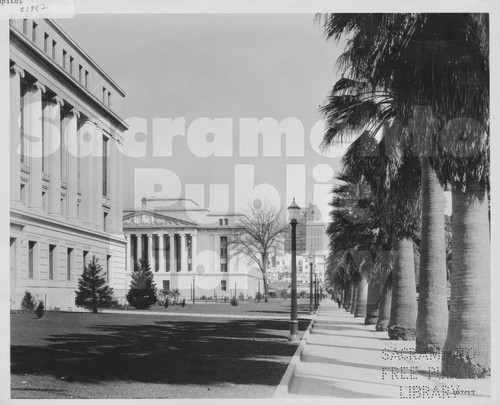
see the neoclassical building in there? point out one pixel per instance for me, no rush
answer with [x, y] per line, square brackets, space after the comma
[189, 249]
[65, 168]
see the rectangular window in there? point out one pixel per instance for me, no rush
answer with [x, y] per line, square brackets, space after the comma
[223, 253]
[104, 166]
[25, 26]
[108, 268]
[105, 222]
[86, 79]
[64, 59]
[54, 48]
[226, 222]
[23, 194]
[45, 43]
[33, 32]
[220, 221]
[104, 93]
[109, 99]
[31, 258]
[52, 253]
[21, 121]
[69, 263]
[166, 285]
[85, 258]
[80, 73]
[71, 64]
[223, 285]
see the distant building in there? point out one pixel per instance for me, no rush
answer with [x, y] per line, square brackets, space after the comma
[189, 247]
[66, 165]
[311, 239]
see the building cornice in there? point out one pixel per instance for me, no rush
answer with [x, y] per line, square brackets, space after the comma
[21, 218]
[89, 59]
[57, 71]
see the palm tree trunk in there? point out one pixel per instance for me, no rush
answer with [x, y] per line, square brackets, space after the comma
[404, 296]
[467, 350]
[432, 318]
[354, 298]
[362, 296]
[385, 305]
[347, 296]
[342, 296]
[372, 303]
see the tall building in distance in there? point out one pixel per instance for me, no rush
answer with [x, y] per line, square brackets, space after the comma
[65, 168]
[312, 240]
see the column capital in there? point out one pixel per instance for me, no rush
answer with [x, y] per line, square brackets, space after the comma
[17, 70]
[40, 86]
[75, 112]
[58, 100]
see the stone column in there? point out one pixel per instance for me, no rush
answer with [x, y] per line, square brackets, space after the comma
[86, 136]
[216, 255]
[111, 186]
[16, 73]
[33, 142]
[69, 127]
[117, 173]
[194, 250]
[173, 267]
[161, 253]
[128, 252]
[150, 251]
[97, 180]
[138, 247]
[54, 157]
[183, 257]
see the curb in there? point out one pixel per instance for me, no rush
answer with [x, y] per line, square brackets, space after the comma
[199, 315]
[284, 386]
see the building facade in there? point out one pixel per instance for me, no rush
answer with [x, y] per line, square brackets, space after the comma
[66, 162]
[189, 249]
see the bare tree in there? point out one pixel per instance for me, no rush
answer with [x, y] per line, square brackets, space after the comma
[260, 236]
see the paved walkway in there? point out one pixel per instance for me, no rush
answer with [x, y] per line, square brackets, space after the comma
[339, 356]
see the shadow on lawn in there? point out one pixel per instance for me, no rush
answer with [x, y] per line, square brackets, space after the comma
[238, 352]
[301, 309]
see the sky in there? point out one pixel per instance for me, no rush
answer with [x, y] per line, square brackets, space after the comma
[212, 79]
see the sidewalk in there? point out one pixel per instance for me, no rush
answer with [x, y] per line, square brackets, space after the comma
[339, 356]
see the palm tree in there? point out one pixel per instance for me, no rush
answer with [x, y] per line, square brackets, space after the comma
[354, 237]
[442, 60]
[393, 175]
[385, 302]
[372, 106]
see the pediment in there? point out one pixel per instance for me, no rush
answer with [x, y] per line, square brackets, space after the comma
[148, 218]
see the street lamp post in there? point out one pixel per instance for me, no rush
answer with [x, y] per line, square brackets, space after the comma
[315, 291]
[293, 212]
[194, 290]
[311, 309]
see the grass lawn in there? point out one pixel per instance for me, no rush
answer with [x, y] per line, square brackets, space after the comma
[81, 355]
[275, 307]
